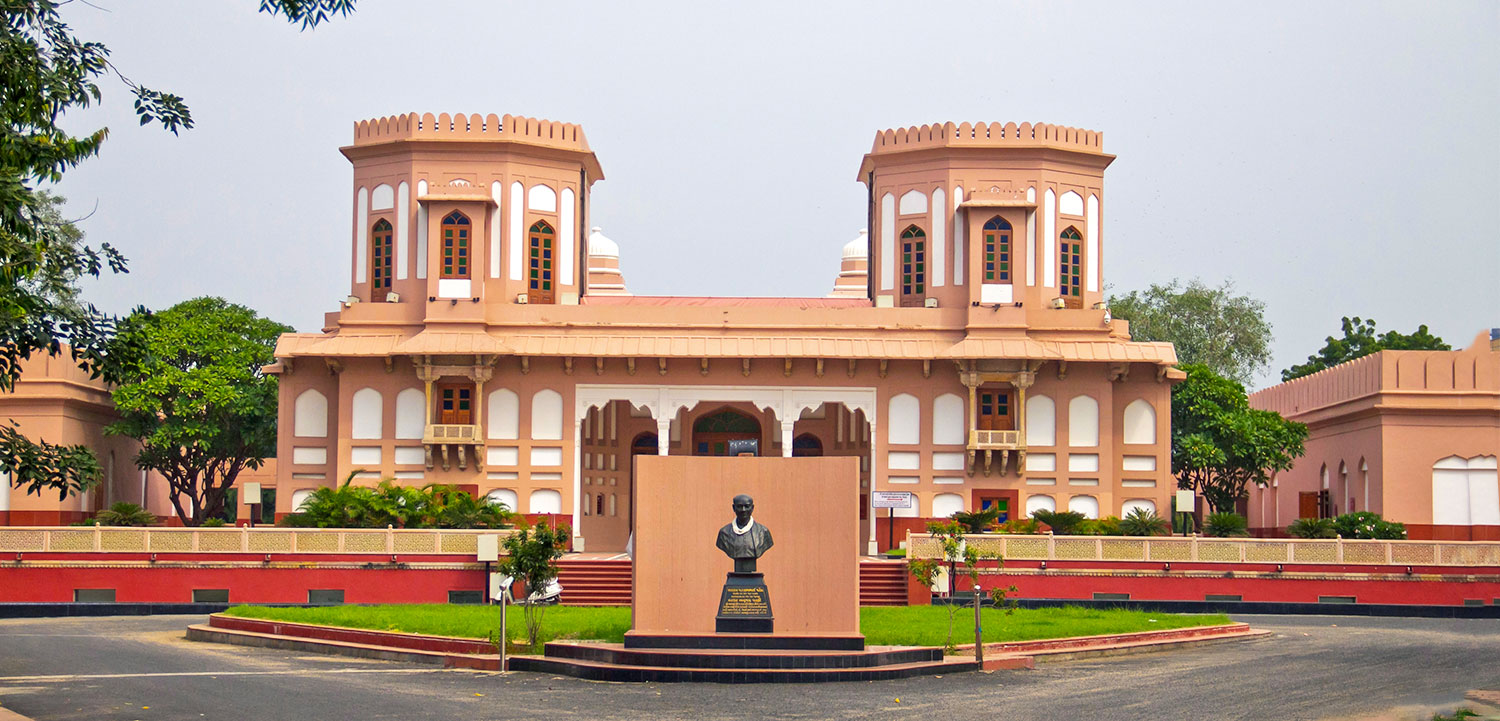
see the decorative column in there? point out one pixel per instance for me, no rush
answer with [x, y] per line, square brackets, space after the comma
[663, 433]
[787, 427]
[874, 546]
[578, 479]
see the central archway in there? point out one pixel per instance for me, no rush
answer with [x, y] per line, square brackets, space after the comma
[726, 432]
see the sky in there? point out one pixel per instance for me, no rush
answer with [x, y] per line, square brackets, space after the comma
[1328, 158]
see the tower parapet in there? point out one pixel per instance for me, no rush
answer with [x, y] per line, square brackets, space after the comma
[988, 135]
[462, 127]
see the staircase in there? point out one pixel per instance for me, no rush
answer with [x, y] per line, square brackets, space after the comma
[881, 583]
[594, 582]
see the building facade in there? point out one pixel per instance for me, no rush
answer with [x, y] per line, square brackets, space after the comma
[488, 340]
[1411, 435]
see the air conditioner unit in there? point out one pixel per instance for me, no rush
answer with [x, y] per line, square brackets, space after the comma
[393, 297]
[1059, 303]
[522, 299]
[929, 302]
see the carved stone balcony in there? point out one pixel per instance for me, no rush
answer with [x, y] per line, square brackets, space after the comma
[989, 443]
[461, 438]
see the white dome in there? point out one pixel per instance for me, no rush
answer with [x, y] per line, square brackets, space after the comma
[859, 247]
[601, 246]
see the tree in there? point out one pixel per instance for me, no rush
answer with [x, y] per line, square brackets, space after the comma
[531, 557]
[1220, 444]
[46, 72]
[189, 387]
[1211, 326]
[1359, 341]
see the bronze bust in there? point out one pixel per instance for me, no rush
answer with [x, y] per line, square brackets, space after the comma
[743, 539]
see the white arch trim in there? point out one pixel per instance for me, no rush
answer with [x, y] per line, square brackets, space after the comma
[1140, 422]
[310, 415]
[367, 414]
[1041, 421]
[411, 415]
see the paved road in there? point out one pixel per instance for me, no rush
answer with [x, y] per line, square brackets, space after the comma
[1312, 668]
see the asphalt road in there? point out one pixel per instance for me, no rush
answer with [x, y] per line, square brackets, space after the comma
[1312, 668]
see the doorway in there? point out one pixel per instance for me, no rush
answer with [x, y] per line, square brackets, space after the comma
[726, 432]
[455, 403]
[984, 499]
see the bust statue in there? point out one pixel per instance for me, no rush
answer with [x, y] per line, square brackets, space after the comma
[743, 539]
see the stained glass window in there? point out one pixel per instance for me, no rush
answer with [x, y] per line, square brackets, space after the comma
[455, 232]
[997, 250]
[1070, 267]
[913, 265]
[380, 260]
[540, 261]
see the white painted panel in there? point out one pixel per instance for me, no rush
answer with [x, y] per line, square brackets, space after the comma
[517, 229]
[1083, 482]
[1139, 463]
[421, 230]
[506, 456]
[1083, 462]
[546, 416]
[454, 288]
[1040, 503]
[1044, 462]
[367, 411]
[382, 197]
[546, 457]
[310, 415]
[903, 460]
[504, 415]
[309, 476]
[904, 422]
[361, 235]
[403, 229]
[411, 416]
[1484, 492]
[996, 293]
[309, 455]
[566, 236]
[1041, 481]
[1138, 483]
[502, 496]
[1048, 249]
[539, 477]
[947, 461]
[409, 455]
[542, 198]
[1450, 497]
[948, 481]
[1041, 421]
[545, 501]
[502, 475]
[946, 504]
[1091, 240]
[299, 498]
[365, 455]
[496, 191]
[1030, 248]
[1140, 422]
[409, 475]
[1087, 505]
[1083, 422]
[939, 252]
[913, 202]
[948, 420]
[1071, 203]
[887, 257]
[1131, 505]
[903, 480]
[958, 236]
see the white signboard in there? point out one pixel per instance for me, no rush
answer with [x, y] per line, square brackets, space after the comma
[1184, 501]
[892, 499]
[489, 547]
[252, 493]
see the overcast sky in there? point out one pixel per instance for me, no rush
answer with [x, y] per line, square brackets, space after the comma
[1331, 158]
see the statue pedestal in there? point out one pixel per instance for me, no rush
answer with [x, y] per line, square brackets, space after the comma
[745, 605]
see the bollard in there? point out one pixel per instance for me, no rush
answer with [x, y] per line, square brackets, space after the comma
[978, 632]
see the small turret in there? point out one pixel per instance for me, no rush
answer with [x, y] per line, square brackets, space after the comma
[604, 276]
[854, 271]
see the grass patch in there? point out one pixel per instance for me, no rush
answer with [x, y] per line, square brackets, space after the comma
[882, 626]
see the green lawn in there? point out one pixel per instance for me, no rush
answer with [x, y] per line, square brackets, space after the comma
[882, 626]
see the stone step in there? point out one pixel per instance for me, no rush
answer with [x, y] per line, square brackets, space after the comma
[617, 654]
[598, 671]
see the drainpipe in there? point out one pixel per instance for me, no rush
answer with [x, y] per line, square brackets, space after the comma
[870, 237]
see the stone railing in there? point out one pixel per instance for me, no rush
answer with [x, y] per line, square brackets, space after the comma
[1219, 550]
[108, 539]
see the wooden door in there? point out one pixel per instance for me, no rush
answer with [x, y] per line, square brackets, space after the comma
[995, 410]
[1307, 504]
[541, 264]
[455, 404]
[913, 267]
[1006, 500]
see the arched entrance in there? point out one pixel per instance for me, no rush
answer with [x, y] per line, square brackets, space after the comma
[726, 432]
[807, 445]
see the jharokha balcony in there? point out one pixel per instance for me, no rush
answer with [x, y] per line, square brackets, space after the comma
[457, 439]
[985, 445]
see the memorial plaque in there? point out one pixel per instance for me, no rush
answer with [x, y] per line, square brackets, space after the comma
[744, 605]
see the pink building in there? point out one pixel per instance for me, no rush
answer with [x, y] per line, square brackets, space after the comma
[1411, 435]
[488, 339]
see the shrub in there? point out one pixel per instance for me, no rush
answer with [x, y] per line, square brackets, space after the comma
[1225, 524]
[1107, 526]
[977, 521]
[1020, 526]
[1364, 524]
[1141, 522]
[390, 504]
[214, 523]
[1062, 523]
[125, 514]
[1312, 528]
[531, 557]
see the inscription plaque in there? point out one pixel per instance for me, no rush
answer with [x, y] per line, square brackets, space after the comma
[745, 605]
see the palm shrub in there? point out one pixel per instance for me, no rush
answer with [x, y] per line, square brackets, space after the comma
[978, 521]
[1021, 526]
[1312, 528]
[1063, 523]
[1225, 524]
[391, 504]
[1107, 526]
[1141, 522]
[125, 514]
[1364, 524]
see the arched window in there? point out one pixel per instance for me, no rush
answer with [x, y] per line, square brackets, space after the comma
[1070, 267]
[456, 237]
[807, 445]
[539, 289]
[644, 444]
[913, 267]
[997, 250]
[381, 260]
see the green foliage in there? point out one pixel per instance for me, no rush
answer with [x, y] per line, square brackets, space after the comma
[39, 466]
[1021, 526]
[1360, 340]
[601, 623]
[978, 521]
[950, 534]
[125, 514]
[1107, 526]
[531, 558]
[1225, 524]
[1312, 528]
[214, 523]
[1062, 523]
[189, 388]
[1458, 715]
[1209, 326]
[1220, 444]
[1141, 522]
[391, 504]
[1364, 524]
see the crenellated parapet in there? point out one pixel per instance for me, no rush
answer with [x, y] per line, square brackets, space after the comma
[988, 135]
[474, 127]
